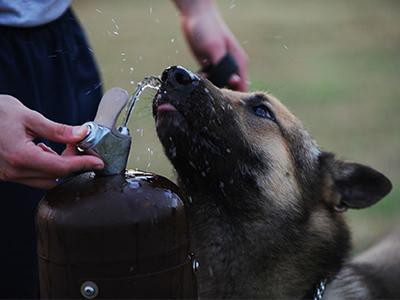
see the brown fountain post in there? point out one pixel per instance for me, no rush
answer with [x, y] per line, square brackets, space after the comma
[119, 234]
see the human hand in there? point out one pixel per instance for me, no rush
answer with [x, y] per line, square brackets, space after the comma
[22, 161]
[210, 39]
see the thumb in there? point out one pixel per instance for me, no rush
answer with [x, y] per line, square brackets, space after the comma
[234, 82]
[56, 132]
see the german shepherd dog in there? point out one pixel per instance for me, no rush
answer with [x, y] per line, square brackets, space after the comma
[266, 204]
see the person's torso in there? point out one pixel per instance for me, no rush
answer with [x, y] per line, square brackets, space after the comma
[29, 13]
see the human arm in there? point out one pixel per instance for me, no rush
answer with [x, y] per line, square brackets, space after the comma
[22, 161]
[210, 39]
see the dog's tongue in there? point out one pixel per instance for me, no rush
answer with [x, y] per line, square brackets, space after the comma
[166, 107]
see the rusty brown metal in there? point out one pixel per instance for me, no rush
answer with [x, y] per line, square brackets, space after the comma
[120, 236]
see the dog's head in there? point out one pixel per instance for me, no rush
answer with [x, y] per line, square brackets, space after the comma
[221, 139]
[259, 182]
[250, 166]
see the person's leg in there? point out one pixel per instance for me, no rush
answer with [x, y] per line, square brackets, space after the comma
[51, 70]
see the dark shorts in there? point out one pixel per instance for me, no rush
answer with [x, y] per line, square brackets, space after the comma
[50, 69]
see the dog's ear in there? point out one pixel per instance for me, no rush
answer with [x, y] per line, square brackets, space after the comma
[350, 184]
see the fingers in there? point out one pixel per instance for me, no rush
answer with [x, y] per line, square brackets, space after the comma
[60, 166]
[234, 82]
[241, 82]
[69, 151]
[46, 148]
[40, 162]
[38, 165]
[38, 125]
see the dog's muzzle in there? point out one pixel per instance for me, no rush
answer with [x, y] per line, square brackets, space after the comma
[178, 78]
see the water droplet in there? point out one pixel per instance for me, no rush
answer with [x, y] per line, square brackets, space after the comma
[116, 32]
[99, 11]
[77, 196]
[151, 10]
[168, 194]
[133, 183]
[285, 47]
[172, 151]
[132, 82]
[172, 40]
[210, 271]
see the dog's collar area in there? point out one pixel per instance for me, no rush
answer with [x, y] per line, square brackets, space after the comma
[320, 290]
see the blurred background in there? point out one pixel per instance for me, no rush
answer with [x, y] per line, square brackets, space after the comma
[335, 64]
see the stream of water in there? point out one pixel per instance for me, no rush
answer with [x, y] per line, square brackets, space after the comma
[148, 82]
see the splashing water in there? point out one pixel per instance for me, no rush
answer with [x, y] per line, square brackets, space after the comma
[148, 82]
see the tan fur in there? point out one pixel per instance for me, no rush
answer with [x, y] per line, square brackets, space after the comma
[281, 183]
[265, 204]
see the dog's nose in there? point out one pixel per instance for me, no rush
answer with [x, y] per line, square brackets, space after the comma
[179, 77]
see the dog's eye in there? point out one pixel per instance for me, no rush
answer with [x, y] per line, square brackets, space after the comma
[263, 111]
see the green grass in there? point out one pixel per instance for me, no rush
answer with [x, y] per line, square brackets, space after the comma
[335, 64]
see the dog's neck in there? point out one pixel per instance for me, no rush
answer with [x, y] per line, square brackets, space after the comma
[253, 252]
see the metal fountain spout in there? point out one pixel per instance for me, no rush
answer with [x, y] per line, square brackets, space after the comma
[104, 140]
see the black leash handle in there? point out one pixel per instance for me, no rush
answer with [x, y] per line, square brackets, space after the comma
[220, 73]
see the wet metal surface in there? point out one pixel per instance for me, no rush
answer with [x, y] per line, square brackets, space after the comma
[127, 233]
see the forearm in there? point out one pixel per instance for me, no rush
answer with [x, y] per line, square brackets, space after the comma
[210, 39]
[190, 7]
